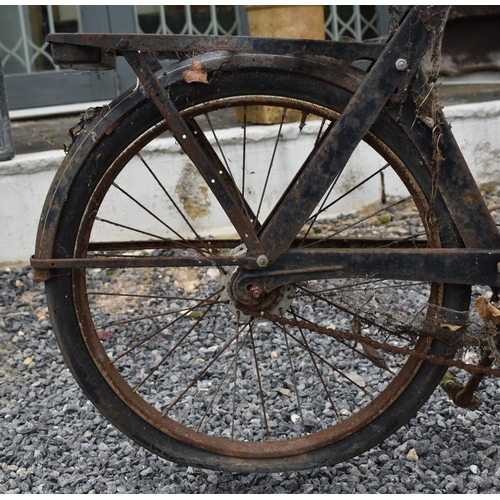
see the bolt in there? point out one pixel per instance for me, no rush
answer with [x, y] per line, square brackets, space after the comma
[262, 261]
[498, 267]
[256, 292]
[123, 44]
[401, 64]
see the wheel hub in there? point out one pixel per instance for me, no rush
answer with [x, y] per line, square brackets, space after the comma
[276, 302]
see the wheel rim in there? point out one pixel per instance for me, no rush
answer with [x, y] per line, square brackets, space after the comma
[345, 417]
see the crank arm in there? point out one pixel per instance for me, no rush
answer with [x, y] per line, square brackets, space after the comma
[461, 266]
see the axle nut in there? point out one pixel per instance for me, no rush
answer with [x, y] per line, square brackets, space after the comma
[262, 261]
[256, 292]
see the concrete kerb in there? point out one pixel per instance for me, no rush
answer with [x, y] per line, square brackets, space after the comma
[25, 180]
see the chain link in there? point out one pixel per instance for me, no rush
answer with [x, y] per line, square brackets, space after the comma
[339, 335]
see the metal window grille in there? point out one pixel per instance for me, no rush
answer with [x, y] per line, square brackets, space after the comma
[22, 45]
[356, 21]
[188, 19]
[23, 28]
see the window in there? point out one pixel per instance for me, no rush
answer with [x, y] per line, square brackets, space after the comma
[23, 29]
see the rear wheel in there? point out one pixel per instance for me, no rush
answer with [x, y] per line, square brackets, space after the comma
[170, 356]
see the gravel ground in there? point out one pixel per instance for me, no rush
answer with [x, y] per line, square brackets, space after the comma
[53, 440]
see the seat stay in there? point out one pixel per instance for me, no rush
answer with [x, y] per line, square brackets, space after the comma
[201, 153]
[396, 65]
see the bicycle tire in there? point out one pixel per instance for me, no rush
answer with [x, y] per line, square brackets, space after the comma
[89, 174]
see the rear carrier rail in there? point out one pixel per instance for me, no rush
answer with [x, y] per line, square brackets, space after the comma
[97, 51]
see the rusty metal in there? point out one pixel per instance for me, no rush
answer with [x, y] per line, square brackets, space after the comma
[200, 151]
[122, 262]
[329, 159]
[441, 265]
[465, 396]
[481, 369]
[124, 44]
[237, 448]
[277, 238]
[256, 292]
[69, 48]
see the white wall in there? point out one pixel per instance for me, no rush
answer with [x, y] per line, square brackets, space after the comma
[25, 180]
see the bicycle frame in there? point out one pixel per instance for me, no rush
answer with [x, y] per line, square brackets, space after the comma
[269, 261]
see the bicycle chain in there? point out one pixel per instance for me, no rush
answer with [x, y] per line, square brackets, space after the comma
[339, 335]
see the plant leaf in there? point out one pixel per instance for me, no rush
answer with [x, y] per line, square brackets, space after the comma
[197, 72]
[487, 311]
[374, 356]
[104, 335]
[453, 328]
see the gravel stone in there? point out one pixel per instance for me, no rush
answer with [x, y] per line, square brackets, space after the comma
[52, 440]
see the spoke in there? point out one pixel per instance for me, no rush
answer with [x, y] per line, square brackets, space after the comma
[260, 385]
[235, 377]
[147, 210]
[353, 348]
[359, 285]
[323, 360]
[167, 194]
[144, 296]
[366, 320]
[324, 208]
[198, 377]
[149, 337]
[244, 163]
[270, 164]
[348, 311]
[318, 136]
[343, 287]
[233, 362]
[360, 221]
[197, 322]
[294, 380]
[142, 318]
[406, 238]
[240, 194]
[207, 117]
[159, 315]
[117, 224]
[318, 371]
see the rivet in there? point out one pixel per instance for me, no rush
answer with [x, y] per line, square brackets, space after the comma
[401, 64]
